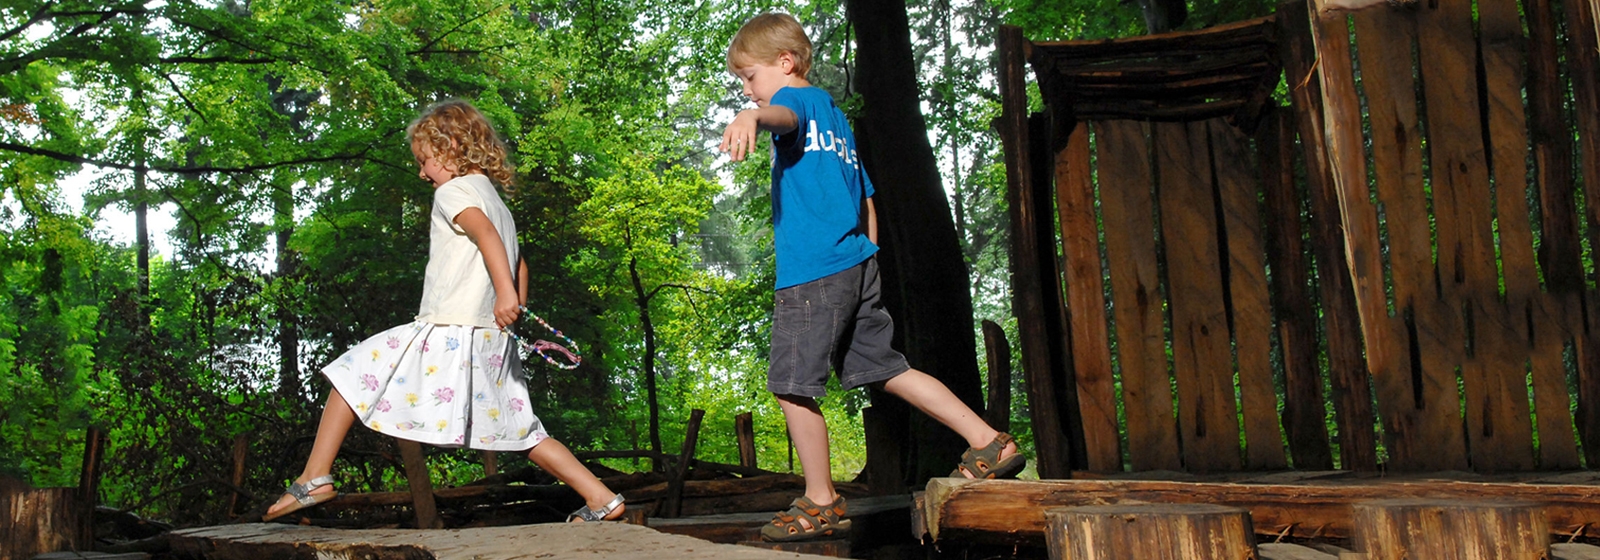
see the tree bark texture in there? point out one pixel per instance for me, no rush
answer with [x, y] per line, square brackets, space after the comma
[925, 283]
[40, 520]
[1451, 529]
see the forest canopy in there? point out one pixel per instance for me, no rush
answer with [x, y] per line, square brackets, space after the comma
[269, 135]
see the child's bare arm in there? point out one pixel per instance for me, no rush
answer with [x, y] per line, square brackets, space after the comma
[872, 222]
[481, 230]
[522, 280]
[739, 139]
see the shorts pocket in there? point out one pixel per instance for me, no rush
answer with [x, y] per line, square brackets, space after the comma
[792, 312]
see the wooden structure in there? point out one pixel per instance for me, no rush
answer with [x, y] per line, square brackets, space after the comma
[1229, 268]
[1150, 532]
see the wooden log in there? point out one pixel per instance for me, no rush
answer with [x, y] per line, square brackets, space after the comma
[672, 504]
[491, 462]
[1052, 446]
[1202, 361]
[1162, 71]
[1150, 531]
[427, 514]
[997, 352]
[1583, 56]
[745, 431]
[1451, 530]
[1011, 511]
[1560, 245]
[1250, 310]
[94, 446]
[1303, 406]
[836, 548]
[1347, 372]
[1229, 84]
[455, 497]
[1126, 178]
[1158, 111]
[1086, 304]
[34, 521]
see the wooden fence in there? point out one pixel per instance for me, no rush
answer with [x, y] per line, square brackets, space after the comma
[1404, 245]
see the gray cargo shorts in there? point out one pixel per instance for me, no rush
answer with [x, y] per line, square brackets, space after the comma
[836, 321]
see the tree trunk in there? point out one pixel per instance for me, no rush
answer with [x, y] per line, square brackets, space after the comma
[642, 299]
[289, 384]
[141, 239]
[920, 254]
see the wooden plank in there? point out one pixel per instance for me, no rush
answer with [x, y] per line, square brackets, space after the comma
[1126, 204]
[1051, 444]
[1086, 305]
[576, 541]
[1042, 128]
[1574, 551]
[1347, 373]
[1501, 37]
[1203, 366]
[1560, 246]
[1251, 310]
[1468, 277]
[1582, 59]
[1552, 401]
[672, 504]
[1012, 511]
[1303, 407]
[1428, 327]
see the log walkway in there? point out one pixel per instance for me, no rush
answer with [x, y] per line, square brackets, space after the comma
[597, 541]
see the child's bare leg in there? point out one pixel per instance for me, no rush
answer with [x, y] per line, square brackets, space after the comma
[336, 421]
[559, 461]
[809, 431]
[934, 399]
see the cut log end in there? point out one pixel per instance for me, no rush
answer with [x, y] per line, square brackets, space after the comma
[1150, 531]
[1442, 528]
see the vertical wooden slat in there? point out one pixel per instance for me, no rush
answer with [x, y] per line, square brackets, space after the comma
[1352, 400]
[1303, 407]
[1559, 246]
[1500, 31]
[1086, 305]
[1240, 191]
[744, 430]
[1042, 180]
[1027, 295]
[1582, 62]
[422, 501]
[1425, 325]
[1202, 365]
[1125, 187]
[1468, 277]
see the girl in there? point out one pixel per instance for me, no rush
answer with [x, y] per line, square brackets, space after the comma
[453, 377]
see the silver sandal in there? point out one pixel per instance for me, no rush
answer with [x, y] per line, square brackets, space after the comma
[303, 497]
[589, 515]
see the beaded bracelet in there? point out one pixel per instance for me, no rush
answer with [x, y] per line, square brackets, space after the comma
[538, 346]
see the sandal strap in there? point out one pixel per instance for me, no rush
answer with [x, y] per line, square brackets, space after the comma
[302, 491]
[819, 517]
[589, 515]
[989, 453]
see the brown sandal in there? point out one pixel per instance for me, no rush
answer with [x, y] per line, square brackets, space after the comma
[985, 463]
[824, 521]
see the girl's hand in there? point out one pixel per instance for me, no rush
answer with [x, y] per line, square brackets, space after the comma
[506, 309]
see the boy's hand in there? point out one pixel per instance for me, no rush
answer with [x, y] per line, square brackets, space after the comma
[739, 139]
[506, 309]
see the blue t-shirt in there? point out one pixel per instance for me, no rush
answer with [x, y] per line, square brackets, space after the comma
[819, 191]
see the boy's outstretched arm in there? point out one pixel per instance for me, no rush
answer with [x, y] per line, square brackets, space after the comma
[481, 230]
[739, 139]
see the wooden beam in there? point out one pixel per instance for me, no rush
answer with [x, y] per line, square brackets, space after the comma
[1052, 447]
[672, 505]
[1012, 511]
[744, 430]
[1243, 33]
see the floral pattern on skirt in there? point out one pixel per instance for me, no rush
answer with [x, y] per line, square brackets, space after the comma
[445, 385]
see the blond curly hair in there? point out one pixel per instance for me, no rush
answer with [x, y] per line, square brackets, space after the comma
[460, 136]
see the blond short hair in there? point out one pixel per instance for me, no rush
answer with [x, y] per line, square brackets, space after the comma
[766, 37]
[459, 135]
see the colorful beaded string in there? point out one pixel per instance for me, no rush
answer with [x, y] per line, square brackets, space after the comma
[539, 346]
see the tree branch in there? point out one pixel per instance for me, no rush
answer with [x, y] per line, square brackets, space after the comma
[195, 169]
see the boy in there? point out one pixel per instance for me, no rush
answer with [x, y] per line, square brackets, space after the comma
[827, 308]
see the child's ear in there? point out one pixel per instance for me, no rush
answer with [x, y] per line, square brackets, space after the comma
[786, 62]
